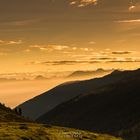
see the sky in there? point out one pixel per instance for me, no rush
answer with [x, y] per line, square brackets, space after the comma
[69, 35]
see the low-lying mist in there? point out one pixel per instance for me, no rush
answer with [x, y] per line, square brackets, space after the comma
[13, 93]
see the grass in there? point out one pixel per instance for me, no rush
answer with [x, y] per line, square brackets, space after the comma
[8, 115]
[15, 127]
[31, 131]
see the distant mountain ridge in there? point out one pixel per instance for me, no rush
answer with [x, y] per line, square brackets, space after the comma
[99, 71]
[40, 77]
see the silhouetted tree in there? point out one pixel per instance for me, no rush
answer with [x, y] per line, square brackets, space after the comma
[20, 111]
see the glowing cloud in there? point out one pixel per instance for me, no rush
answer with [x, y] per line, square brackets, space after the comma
[132, 7]
[129, 21]
[50, 47]
[83, 3]
[11, 42]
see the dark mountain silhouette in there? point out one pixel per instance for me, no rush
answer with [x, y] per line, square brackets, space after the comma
[36, 107]
[97, 72]
[112, 108]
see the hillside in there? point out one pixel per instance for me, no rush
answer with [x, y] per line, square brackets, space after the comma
[37, 106]
[112, 109]
[28, 131]
[8, 115]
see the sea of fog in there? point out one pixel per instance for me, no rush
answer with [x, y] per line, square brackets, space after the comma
[15, 92]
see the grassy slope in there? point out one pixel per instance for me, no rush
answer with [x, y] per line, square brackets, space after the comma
[6, 115]
[15, 127]
[30, 131]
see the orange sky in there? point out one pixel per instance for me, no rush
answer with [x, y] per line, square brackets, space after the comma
[63, 35]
